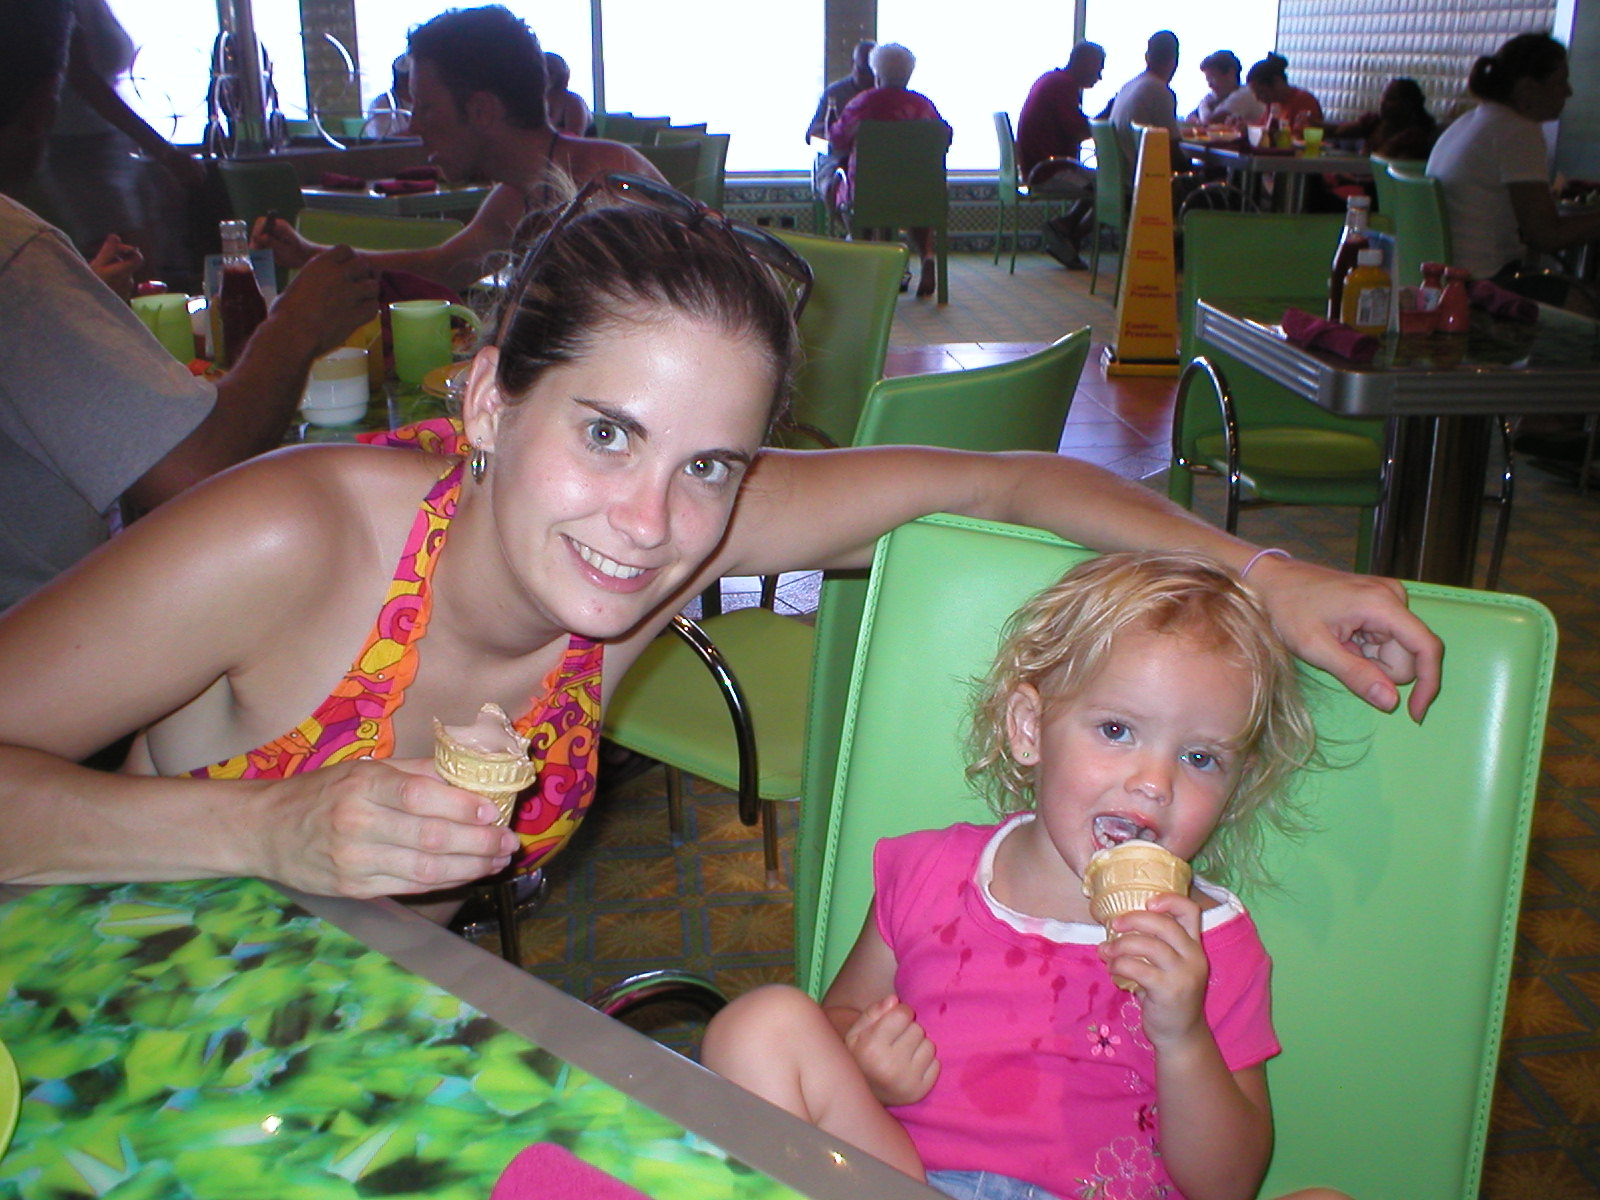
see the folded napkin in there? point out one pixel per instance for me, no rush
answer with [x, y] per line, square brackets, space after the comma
[1319, 333]
[335, 181]
[549, 1172]
[1501, 302]
[427, 172]
[404, 187]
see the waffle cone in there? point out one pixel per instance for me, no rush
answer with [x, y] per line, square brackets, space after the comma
[499, 777]
[1124, 878]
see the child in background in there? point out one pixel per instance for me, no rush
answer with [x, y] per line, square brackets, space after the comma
[974, 1031]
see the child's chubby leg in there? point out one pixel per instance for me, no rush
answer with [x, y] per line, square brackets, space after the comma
[777, 1042]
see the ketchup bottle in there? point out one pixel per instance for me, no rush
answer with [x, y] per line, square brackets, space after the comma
[1351, 242]
[239, 302]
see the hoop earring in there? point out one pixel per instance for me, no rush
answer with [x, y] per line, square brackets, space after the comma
[478, 463]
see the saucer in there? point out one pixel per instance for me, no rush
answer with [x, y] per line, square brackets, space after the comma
[444, 381]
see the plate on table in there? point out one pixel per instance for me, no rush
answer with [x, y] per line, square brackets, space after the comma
[10, 1098]
[445, 381]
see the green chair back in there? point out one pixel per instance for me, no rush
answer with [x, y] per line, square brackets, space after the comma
[1393, 924]
[1111, 195]
[1380, 177]
[625, 127]
[678, 162]
[1011, 192]
[257, 188]
[1292, 451]
[1421, 228]
[844, 331]
[329, 228]
[1020, 405]
[900, 183]
[711, 171]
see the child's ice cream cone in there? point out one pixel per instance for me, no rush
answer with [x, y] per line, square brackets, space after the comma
[1123, 879]
[488, 757]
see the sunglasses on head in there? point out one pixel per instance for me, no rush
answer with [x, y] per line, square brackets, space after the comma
[692, 214]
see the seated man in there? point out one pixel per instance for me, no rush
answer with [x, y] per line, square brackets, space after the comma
[1051, 130]
[93, 410]
[825, 174]
[478, 104]
[1148, 100]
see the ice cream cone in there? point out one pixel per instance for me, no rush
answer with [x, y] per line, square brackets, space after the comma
[488, 758]
[1123, 878]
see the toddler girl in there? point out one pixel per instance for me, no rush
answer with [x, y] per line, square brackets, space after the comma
[974, 1031]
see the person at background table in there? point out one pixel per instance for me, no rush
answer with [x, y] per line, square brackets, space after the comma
[91, 182]
[614, 430]
[1139, 697]
[1148, 99]
[478, 104]
[93, 410]
[890, 99]
[1051, 130]
[1228, 101]
[567, 111]
[825, 172]
[1401, 128]
[389, 114]
[1492, 162]
[1268, 81]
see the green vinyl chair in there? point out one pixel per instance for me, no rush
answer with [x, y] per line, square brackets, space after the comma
[1381, 183]
[678, 162]
[1421, 230]
[844, 335]
[1112, 196]
[329, 228]
[1012, 193]
[257, 188]
[1392, 922]
[625, 127]
[708, 183]
[1256, 435]
[763, 719]
[900, 183]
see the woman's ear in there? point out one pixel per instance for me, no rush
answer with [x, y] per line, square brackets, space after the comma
[1024, 714]
[482, 402]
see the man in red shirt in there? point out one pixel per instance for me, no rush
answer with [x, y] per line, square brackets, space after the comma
[1050, 129]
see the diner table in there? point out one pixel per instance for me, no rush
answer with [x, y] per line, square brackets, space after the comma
[448, 200]
[231, 1038]
[1291, 167]
[1439, 395]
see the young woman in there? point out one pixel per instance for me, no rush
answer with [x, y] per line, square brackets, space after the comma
[1268, 81]
[616, 468]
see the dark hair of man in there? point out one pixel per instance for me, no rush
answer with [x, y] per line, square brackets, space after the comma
[1534, 56]
[1162, 48]
[33, 52]
[486, 50]
[1222, 60]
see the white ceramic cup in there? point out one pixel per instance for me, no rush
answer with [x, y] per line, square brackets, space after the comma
[337, 391]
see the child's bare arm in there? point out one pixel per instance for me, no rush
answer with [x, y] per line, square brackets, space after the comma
[882, 1033]
[1216, 1124]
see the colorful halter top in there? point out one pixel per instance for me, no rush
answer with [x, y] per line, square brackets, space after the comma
[357, 720]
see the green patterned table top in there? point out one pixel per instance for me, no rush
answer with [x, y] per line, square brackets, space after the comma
[212, 1039]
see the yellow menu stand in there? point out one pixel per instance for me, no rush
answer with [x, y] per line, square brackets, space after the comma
[1146, 340]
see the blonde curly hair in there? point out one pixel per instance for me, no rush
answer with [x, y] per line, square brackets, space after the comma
[1059, 640]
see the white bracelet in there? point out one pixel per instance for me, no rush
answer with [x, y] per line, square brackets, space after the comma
[1272, 551]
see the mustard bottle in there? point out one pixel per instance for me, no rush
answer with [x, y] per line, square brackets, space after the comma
[1365, 303]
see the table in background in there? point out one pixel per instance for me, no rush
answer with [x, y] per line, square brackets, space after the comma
[1440, 395]
[1292, 168]
[449, 200]
[230, 1039]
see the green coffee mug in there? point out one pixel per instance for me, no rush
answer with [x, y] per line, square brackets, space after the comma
[422, 335]
[167, 316]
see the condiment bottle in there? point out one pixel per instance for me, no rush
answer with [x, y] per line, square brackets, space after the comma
[1352, 240]
[1455, 306]
[239, 303]
[1432, 286]
[1365, 304]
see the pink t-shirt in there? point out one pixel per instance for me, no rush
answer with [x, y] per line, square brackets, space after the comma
[1045, 1073]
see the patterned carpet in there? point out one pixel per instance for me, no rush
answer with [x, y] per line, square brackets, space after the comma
[624, 900]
